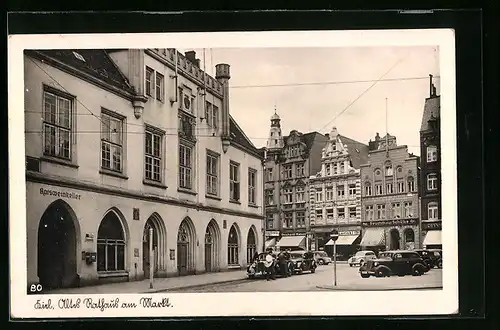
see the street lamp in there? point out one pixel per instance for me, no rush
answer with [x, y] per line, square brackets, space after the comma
[334, 235]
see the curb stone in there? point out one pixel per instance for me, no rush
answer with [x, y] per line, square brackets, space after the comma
[379, 289]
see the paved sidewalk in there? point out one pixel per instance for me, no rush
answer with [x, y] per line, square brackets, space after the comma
[159, 284]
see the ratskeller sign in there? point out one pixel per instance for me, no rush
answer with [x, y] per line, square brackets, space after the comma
[396, 222]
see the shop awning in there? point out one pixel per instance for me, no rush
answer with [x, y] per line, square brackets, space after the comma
[292, 241]
[373, 237]
[344, 240]
[270, 242]
[433, 237]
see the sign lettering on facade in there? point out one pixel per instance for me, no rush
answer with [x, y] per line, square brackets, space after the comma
[58, 193]
[272, 233]
[399, 222]
[431, 226]
[349, 233]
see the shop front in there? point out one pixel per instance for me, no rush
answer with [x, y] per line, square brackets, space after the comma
[347, 243]
[293, 242]
[432, 236]
[272, 237]
[390, 235]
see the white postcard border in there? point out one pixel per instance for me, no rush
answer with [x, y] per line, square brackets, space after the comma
[415, 302]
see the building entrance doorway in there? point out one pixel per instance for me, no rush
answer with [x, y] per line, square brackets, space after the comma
[186, 240]
[146, 252]
[57, 245]
[395, 239]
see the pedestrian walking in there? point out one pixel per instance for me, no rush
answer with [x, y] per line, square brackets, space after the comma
[270, 266]
[282, 264]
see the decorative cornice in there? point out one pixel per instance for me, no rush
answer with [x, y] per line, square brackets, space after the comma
[86, 186]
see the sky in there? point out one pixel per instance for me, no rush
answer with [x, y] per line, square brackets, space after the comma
[314, 105]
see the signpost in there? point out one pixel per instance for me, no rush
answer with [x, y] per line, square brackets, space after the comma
[334, 235]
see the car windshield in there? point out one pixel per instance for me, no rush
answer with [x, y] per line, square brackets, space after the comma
[321, 254]
[296, 255]
[360, 253]
[385, 255]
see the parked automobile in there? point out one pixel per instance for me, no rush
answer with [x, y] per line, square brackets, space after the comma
[257, 268]
[391, 263]
[303, 262]
[322, 258]
[427, 256]
[361, 257]
[437, 257]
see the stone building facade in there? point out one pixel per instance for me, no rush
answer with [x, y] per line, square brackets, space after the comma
[134, 162]
[390, 200]
[289, 162]
[430, 184]
[335, 195]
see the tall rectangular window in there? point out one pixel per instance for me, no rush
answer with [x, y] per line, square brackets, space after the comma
[234, 181]
[381, 211]
[369, 214]
[368, 189]
[288, 195]
[212, 174]
[431, 154]
[111, 142]
[389, 188]
[288, 222]
[149, 81]
[185, 167]
[301, 219]
[57, 113]
[432, 211]
[215, 116]
[340, 191]
[378, 189]
[319, 196]
[352, 213]
[396, 210]
[329, 213]
[341, 213]
[269, 197]
[411, 185]
[252, 186]
[270, 221]
[408, 208]
[269, 174]
[329, 193]
[160, 87]
[432, 181]
[299, 194]
[153, 156]
[401, 186]
[300, 170]
[352, 190]
[288, 171]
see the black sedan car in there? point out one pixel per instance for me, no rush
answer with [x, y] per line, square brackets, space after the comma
[257, 269]
[391, 263]
[303, 262]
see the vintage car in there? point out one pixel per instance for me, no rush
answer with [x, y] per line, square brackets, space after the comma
[361, 257]
[436, 257]
[258, 267]
[322, 258]
[391, 263]
[303, 262]
[428, 257]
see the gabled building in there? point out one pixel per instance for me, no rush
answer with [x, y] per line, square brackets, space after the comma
[134, 162]
[430, 188]
[335, 194]
[290, 160]
[389, 197]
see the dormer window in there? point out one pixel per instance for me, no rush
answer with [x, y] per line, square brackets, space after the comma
[79, 56]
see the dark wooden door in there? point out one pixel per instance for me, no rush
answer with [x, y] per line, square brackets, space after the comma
[182, 258]
[208, 257]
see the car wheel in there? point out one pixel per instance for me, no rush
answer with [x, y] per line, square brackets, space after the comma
[365, 275]
[313, 270]
[320, 262]
[440, 264]
[417, 271]
[361, 263]
[380, 273]
[350, 265]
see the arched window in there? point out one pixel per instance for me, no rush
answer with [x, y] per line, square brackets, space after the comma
[368, 189]
[251, 245]
[432, 211]
[409, 235]
[232, 247]
[411, 184]
[110, 245]
[388, 169]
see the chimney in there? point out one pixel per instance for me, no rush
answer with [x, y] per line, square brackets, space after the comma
[191, 56]
[434, 92]
[431, 86]
[223, 75]
[377, 137]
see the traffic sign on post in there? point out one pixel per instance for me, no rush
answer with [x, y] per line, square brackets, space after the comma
[334, 235]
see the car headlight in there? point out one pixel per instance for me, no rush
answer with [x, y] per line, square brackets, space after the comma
[375, 264]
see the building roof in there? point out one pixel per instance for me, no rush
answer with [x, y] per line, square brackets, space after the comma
[306, 138]
[96, 63]
[357, 151]
[432, 107]
[238, 136]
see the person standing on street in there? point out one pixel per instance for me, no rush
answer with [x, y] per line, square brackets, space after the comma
[282, 264]
[270, 265]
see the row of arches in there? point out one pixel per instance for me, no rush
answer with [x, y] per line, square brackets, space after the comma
[395, 239]
[59, 241]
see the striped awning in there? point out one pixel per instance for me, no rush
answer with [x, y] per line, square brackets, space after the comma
[373, 237]
[270, 242]
[344, 240]
[292, 241]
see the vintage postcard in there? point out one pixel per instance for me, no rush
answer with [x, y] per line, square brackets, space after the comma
[233, 174]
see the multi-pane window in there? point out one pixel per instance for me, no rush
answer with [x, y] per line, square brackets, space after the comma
[319, 213]
[341, 213]
[432, 211]
[185, 166]
[149, 81]
[352, 190]
[110, 245]
[269, 173]
[408, 209]
[396, 210]
[335, 169]
[369, 212]
[288, 222]
[300, 170]
[288, 171]
[319, 196]
[329, 193]
[388, 170]
[401, 186]
[153, 156]
[288, 195]
[211, 115]
[368, 189]
[411, 184]
[340, 191]
[431, 154]
[269, 197]
[301, 219]
[329, 213]
[328, 169]
[378, 189]
[299, 194]
[212, 174]
[432, 181]
[252, 186]
[111, 142]
[270, 221]
[234, 181]
[215, 116]
[352, 213]
[381, 211]
[389, 188]
[160, 87]
[342, 168]
[57, 125]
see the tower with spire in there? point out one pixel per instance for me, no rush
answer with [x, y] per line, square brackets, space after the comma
[275, 139]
